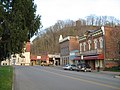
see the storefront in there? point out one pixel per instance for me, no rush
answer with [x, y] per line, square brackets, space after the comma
[74, 57]
[94, 61]
[33, 60]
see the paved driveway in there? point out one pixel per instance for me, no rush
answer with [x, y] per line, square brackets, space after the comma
[47, 78]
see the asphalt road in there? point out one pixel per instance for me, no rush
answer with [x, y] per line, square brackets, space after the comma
[50, 78]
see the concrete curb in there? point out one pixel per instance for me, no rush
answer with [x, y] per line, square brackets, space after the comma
[13, 78]
[115, 74]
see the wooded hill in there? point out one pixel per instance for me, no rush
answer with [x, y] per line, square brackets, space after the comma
[49, 40]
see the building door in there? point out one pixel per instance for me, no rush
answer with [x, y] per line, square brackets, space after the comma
[92, 64]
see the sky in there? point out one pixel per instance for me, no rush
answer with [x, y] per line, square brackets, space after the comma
[53, 10]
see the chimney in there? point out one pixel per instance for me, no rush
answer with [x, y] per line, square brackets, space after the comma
[60, 38]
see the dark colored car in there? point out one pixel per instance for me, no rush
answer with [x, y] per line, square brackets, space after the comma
[83, 67]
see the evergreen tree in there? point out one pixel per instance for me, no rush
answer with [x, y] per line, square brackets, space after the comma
[18, 23]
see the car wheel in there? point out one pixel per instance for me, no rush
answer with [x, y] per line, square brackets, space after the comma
[90, 70]
[71, 69]
[85, 70]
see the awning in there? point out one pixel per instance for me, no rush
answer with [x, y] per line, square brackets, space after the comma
[90, 58]
[76, 58]
[101, 56]
[98, 57]
[44, 58]
[32, 57]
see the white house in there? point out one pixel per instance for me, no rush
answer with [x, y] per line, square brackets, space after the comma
[19, 59]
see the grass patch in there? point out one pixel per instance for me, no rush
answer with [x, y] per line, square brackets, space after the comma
[6, 77]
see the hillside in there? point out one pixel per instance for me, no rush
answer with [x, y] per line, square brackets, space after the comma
[49, 40]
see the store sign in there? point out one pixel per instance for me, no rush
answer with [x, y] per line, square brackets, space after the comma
[38, 57]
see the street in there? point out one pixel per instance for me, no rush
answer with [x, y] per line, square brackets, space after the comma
[51, 78]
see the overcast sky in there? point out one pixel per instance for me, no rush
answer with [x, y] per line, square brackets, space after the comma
[53, 10]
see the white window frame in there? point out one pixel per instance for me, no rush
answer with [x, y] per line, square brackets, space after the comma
[84, 44]
[101, 42]
[95, 43]
[81, 47]
[89, 44]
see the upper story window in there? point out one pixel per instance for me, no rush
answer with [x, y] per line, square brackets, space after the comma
[80, 46]
[65, 51]
[84, 44]
[89, 44]
[101, 42]
[95, 43]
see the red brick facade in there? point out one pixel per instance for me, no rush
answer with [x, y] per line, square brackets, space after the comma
[28, 47]
[112, 37]
[91, 48]
[100, 49]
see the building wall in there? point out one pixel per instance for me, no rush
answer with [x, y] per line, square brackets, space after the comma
[90, 40]
[111, 49]
[112, 37]
[65, 47]
[111, 40]
[27, 58]
[91, 47]
[73, 44]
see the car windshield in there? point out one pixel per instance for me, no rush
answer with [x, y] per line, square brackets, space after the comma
[73, 65]
[87, 65]
[67, 65]
[84, 65]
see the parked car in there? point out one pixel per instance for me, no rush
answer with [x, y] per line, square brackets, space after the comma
[70, 67]
[84, 67]
[44, 64]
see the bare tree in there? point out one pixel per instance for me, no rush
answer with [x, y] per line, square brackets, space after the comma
[48, 39]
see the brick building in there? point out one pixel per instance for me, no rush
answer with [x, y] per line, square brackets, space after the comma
[100, 47]
[67, 45]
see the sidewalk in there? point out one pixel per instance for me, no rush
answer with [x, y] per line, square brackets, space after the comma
[101, 71]
[110, 72]
[116, 74]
